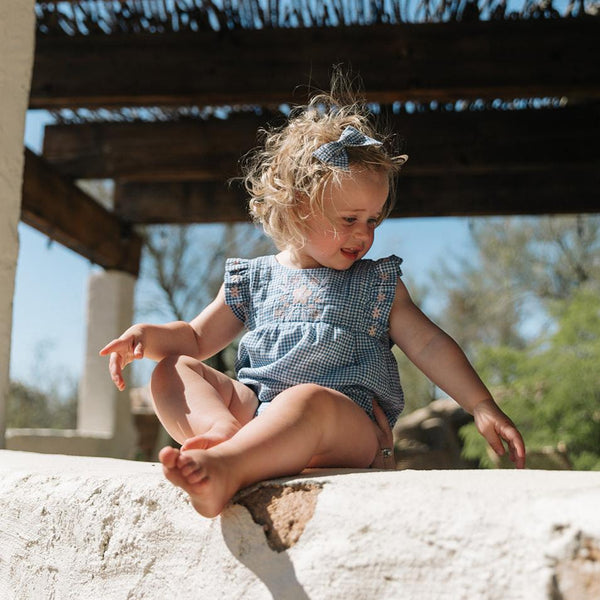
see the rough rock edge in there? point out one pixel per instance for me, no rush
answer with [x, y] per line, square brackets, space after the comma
[283, 511]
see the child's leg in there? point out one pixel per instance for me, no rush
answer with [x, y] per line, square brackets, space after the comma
[199, 406]
[305, 426]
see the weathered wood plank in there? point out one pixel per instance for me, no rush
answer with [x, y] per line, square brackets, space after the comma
[436, 142]
[180, 202]
[57, 207]
[567, 190]
[543, 191]
[488, 59]
[146, 151]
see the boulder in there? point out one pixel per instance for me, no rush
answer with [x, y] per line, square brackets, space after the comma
[428, 438]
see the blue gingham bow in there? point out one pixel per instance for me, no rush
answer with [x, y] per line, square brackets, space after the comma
[334, 153]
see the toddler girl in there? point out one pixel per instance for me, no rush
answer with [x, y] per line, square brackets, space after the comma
[317, 384]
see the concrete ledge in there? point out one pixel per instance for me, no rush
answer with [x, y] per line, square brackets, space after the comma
[61, 441]
[73, 527]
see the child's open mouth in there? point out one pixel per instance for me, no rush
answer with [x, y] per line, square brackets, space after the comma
[350, 253]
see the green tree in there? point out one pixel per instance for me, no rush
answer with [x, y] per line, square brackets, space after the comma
[49, 403]
[518, 268]
[523, 304]
[29, 407]
[552, 387]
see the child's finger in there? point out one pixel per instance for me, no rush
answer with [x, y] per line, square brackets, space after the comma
[516, 447]
[383, 424]
[107, 349]
[111, 347]
[495, 442]
[384, 458]
[138, 351]
[116, 370]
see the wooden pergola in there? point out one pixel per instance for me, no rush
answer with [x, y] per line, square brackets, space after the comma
[500, 115]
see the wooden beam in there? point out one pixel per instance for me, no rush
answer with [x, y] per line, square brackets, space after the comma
[567, 190]
[543, 191]
[436, 142]
[57, 207]
[180, 202]
[441, 61]
[203, 150]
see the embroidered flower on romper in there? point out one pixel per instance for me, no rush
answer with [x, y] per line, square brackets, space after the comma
[302, 294]
[235, 291]
[376, 313]
[380, 297]
[372, 331]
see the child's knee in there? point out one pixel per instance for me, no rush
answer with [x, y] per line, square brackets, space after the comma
[306, 397]
[168, 372]
[164, 369]
[172, 364]
[304, 392]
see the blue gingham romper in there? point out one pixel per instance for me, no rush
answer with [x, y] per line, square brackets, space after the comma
[319, 326]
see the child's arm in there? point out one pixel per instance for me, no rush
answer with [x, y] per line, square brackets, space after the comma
[211, 331]
[441, 360]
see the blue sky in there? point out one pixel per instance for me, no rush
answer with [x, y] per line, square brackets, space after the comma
[49, 310]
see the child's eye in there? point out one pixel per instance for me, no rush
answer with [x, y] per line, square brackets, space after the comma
[349, 219]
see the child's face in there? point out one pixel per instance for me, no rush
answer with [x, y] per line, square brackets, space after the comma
[345, 233]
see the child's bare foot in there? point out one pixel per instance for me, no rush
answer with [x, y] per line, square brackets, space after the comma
[203, 476]
[218, 433]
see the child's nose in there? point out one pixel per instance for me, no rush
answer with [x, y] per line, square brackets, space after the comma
[361, 231]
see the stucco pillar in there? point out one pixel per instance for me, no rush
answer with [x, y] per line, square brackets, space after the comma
[17, 28]
[102, 409]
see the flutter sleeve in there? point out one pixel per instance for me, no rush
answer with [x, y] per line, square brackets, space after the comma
[237, 287]
[385, 277]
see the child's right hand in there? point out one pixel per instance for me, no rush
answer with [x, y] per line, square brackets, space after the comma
[385, 456]
[123, 350]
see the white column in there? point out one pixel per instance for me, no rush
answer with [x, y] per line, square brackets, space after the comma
[102, 409]
[17, 29]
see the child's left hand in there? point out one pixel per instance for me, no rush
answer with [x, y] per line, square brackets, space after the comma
[495, 426]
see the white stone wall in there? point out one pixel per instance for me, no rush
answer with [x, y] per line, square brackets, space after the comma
[73, 528]
[17, 28]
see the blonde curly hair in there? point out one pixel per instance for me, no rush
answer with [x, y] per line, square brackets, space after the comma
[286, 182]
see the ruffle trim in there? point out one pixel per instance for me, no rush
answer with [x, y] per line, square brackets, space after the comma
[237, 287]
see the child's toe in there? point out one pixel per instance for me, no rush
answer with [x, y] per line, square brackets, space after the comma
[168, 457]
[174, 476]
[188, 469]
[184, 460]
[196, 477]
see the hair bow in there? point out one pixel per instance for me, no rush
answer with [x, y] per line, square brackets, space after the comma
[334, 153]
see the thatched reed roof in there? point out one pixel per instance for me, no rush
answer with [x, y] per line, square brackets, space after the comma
[157, 114]
[112, 17]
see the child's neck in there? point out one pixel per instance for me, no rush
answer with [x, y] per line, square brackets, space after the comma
[296, 260]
